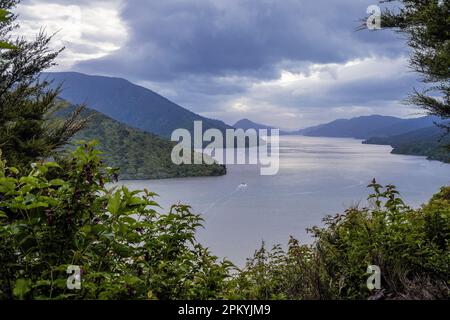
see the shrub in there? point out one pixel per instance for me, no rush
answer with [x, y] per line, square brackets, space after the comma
[72, 213]
[125, 248]
[412, 248]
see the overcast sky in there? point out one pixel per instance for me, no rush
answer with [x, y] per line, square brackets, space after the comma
[289, 63]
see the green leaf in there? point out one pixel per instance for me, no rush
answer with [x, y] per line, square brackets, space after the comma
[21, 288]
[52, 165]
[57, 182]
[30, 180]
[13, 170]
[6, 45]
[37, 205]
[114, 203]
[41, 283]
[4, 14]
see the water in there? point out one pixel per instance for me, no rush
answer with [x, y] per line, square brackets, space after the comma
[318, 176]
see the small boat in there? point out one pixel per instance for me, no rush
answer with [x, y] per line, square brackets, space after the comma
[243, 185]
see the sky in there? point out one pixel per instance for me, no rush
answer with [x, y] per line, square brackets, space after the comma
[289, 63]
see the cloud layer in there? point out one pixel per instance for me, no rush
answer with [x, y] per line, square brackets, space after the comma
[88, 30]
[290, 63]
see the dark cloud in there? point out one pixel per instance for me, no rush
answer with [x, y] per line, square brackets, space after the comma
[209, 55]
[174, 38]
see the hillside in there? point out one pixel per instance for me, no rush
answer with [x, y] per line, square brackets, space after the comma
[405, 126]
[128, 103]
[423, 142]
[359, 128]
[138, 154]
[416, 136]
[246, 124]
[368, 127]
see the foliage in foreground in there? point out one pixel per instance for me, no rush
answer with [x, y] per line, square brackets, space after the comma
[411, 247]
[55, 217]
[60, 215]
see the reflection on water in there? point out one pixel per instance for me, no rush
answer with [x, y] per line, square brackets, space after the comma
[318, 176]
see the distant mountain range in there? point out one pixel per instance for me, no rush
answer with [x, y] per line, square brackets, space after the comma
[247, 124]
[359, 128]
[133, 123]
[128, 103]
[368, 126]
[138, 154]
[416, 136]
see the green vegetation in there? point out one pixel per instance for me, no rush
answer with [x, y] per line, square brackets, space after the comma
[133, 105]
[427, 142]
[68, 212]
[416, 136]
[412, 248]
[31, 126]
[26, 130]
[426, 26]
[138, 154]
[58, 216]
[429, 149]
[61, 215]
[5, 17]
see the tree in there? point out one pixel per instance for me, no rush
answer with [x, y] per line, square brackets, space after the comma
[426, 26]
[4, 17]
[27, 129]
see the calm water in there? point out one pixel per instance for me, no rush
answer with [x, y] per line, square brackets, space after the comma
[318, 176]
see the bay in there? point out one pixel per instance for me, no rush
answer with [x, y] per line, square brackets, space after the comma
[317, 177]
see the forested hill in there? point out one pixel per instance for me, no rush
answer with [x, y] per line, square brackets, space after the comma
[138, 154]
[247, 124]
[428, 142]
[368, 127]
[128, 103]
[416, 136]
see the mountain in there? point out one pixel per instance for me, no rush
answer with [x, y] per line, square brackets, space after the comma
[246, 124]
[427, 142]
[417, 136]
[369, 126]
[405, 126]
[128, 103]
[359, 128]
[138, 154]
